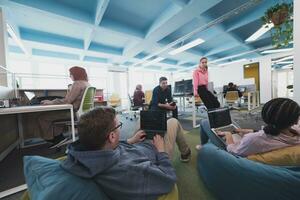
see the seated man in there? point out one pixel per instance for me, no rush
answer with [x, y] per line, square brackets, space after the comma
[162, 98]
[127, 170]
[232, 87]
[138, 96]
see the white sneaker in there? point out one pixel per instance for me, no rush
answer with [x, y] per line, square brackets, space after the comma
[198, 147]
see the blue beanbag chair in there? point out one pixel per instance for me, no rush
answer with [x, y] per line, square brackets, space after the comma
[233, 177]
[47, 180]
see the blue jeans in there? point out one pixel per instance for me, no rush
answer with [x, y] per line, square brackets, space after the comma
[206, 134]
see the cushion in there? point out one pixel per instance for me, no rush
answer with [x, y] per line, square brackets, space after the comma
[233, 177]
[47, 180]
[289, 156]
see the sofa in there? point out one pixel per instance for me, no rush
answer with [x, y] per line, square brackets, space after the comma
[234, 177]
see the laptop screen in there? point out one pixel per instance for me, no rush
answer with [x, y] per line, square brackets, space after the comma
[219, 118]
[29, 95]
[154, 120]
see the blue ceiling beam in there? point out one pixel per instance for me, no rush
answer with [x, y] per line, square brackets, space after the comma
[186, 14]
[95, 59]
[40, 52]
[249, 16]
[59, 9]
[105, 49]
[90, 33]
[49, 38]
[169, 61]
[15, 49]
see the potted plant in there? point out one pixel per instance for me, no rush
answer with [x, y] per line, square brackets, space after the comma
[281, 15]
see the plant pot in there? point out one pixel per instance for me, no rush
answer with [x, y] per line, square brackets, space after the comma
[279, 16]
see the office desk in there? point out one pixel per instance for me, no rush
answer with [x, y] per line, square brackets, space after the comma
[253, 100]
[32, 109]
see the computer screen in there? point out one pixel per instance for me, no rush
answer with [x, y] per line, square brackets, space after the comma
[179, 87]
[153, 120]
[242, 89]
[29, 95]
[188, 86]
[219, 118]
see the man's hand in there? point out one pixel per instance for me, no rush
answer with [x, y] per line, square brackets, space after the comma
[46, 102]
[159, 143]
[138, 137]
[196, 95]
[169, 107]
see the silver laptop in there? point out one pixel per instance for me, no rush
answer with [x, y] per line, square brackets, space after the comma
[29, 95]
[220, 120]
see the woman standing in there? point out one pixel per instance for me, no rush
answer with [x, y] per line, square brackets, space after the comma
[80, 82]
[200, 83]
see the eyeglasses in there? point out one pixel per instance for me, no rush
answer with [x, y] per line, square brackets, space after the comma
[119, 126]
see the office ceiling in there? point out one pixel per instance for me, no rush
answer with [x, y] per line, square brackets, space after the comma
[138, 33]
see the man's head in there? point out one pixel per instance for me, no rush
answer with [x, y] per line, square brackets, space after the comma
[163, 82]
[230, 84]
[203, 62]
[99, 129]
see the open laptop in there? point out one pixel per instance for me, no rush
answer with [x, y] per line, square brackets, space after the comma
[153, 122]
[220, 120]
[29, 95]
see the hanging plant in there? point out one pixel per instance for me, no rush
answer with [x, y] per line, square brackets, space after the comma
[281, 16]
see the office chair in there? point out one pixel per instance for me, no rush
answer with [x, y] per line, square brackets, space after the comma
[134, 110]
[232, 97]
[114, 100]
[87, 103]
[148, 98]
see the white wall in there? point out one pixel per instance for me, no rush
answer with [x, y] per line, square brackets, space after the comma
[297, 51]
[234, 73]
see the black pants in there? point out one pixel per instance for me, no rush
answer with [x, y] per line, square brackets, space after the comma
[209, 100]
[174, 112]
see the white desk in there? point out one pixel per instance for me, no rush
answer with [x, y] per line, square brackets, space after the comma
[30, 109]
[253, 100]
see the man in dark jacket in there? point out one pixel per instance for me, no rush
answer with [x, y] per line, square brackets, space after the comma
[232, 87]
[162, 98]
[127, 170]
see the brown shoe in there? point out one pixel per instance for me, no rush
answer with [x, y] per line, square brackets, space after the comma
[186, 157]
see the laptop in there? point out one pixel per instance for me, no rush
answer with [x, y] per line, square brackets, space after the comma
[29, 95]
[220, 120]
[153, 122]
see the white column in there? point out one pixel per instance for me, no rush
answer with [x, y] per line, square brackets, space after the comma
[3, 48]
[265, 78]
[297, 51]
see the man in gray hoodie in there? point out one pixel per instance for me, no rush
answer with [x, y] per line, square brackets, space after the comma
[129, 170]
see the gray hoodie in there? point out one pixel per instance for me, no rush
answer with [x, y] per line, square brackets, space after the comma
[130, 172]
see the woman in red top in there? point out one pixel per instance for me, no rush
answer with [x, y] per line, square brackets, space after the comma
[200, 83]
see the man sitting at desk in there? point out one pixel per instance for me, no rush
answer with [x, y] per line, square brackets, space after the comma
[232, 87]
[138, 96]
[162, 98]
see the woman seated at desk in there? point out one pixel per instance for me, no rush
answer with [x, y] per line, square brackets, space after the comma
[74, 96]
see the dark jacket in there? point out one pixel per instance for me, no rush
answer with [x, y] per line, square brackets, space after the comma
[138, 98]
[130, 172]
[160, 96]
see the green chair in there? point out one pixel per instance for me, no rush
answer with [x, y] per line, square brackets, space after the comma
[87, 103]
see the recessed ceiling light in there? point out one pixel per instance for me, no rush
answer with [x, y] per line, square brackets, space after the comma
[259, 32]
[277, 50]
[187, 46]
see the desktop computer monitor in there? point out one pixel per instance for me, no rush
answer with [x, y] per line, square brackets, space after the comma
[179, 87]
[188, 86]
[242, 89]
